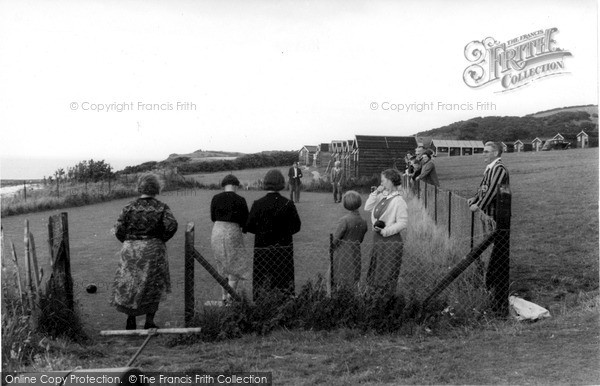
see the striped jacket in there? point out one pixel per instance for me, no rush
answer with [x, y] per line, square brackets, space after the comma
[486, 193]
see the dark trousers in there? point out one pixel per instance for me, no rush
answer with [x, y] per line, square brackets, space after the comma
[295, 190]
[337, 192]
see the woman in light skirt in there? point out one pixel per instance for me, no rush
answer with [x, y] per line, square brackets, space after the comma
[229, 212]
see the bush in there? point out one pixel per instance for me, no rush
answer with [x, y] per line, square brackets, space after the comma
[311, 309]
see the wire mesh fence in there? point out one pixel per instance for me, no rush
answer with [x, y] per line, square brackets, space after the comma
[449, 257]
[364, 268]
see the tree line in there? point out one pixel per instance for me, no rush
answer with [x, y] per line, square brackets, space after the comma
[186, 165]
[84, 171]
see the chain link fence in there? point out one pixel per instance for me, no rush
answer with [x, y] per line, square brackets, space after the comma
[443, 261]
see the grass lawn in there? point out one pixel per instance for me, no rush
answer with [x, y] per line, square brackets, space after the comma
[554, 260]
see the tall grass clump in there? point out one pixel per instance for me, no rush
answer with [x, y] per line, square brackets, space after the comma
[429, 254]
[29, 320]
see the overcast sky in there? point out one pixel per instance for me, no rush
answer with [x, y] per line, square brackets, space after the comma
[259, 75]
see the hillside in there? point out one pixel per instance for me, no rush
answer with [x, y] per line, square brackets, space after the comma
[510, 128]
[205, 155]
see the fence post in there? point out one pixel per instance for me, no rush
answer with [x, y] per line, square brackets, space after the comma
[60, 258]
[449, 213]
[28, 277]
[498, 274]
[331, 261]
[459, 268]
[472, 228]
[418, 182]
[435, 204]
[425, 196]
[189, 275]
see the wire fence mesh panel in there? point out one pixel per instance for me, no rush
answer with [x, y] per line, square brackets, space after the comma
[275, 270]
[442, 260]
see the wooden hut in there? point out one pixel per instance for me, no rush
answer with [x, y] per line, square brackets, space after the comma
[507, 147]
[374, 154]
[452, 147]
[305, 156]
[537, 143]
[587, 139]
[323, 155]
[522, 145]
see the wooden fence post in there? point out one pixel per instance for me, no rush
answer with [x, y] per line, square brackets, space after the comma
[425, 195]
[189, 301]
[331, 284]
[60, 257]
[459, 268]
[472, 228]
[449, 213]
[435, 204]
[498, 274]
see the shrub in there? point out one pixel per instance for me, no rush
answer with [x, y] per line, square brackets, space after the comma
[312, 309]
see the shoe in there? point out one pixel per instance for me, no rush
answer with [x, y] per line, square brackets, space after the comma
[130, 325]
[148, 326]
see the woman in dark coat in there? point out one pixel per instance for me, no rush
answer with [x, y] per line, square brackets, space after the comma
[273, 219]
[142, 279]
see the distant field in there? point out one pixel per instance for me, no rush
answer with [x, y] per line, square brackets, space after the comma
[248, 177]
[554, 245]
[590, 109]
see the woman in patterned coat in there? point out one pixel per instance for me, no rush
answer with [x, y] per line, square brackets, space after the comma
[142, 279]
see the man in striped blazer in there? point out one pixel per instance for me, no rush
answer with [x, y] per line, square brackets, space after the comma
[495, 175]
[497, 277]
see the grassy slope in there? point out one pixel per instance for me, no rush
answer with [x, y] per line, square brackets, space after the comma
[555, 198]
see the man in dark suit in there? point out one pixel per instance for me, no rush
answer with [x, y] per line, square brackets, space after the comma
[295, 174]
[497, 278]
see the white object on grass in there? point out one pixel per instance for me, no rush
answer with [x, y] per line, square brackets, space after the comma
[524, 310]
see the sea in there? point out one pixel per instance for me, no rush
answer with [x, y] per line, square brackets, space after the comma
[36, 168]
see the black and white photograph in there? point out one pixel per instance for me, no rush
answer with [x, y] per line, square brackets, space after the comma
[299, 192]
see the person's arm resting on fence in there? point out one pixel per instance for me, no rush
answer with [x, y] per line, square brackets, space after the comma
[483, 199]
[425, 170]
[395, 217]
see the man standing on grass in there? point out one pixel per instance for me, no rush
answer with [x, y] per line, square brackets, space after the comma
[497, 277]
[295, 174]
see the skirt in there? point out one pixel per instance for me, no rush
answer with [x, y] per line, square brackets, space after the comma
[386, 258]
[227, 244]
[142, 279]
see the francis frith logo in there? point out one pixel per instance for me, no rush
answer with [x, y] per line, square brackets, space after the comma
[516, 62]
